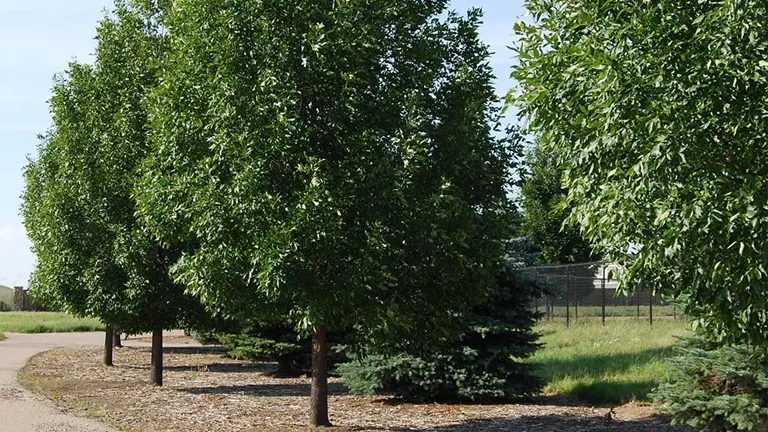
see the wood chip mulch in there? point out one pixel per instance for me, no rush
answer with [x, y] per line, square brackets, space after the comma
[205, 391]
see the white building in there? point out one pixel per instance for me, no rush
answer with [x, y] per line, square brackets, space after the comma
[611, 272]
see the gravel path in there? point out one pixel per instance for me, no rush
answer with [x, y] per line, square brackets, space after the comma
[21, 410]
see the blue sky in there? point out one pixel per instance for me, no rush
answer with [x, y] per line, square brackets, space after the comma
[39, 37]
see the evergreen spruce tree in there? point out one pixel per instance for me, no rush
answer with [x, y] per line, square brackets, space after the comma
[717, 387]
[486, 363]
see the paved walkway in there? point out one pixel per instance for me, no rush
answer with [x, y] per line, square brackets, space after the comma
[20, 410]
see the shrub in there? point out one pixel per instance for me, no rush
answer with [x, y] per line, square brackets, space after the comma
[254, 348]
[717, 387]
[278, 343]
[204, 337]
[484, 364]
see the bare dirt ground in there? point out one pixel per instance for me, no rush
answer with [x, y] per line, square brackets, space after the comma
[206, 392]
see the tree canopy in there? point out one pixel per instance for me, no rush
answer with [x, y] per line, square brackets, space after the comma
[329, 159]
[94, 257]
[656, 111]
[544, 215]
[335, 163]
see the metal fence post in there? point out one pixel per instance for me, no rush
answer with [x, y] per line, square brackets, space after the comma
[550, 304]
[550, 308]
[536, 281]
[650, 305]
[603, 286]
[576, 302]
[568, 297]
[637, 301]
[547, 298]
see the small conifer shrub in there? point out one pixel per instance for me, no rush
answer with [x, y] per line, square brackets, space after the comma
[717, 387]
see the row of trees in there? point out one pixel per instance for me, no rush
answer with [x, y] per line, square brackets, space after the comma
[327, 165]
[340, 165]
[95, 256]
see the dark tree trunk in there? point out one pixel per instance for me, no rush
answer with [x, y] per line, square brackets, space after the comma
[118, 343]
[318, 410]
[108, 342]
[157, 357]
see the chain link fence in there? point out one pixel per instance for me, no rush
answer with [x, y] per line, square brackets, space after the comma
[590, 290]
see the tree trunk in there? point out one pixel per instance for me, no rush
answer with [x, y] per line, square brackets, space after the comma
[157, 357]
[108, 342]
[318, 410]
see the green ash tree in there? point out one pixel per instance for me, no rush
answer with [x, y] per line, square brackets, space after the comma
[334, 162]
[94, 257]
[656, 111]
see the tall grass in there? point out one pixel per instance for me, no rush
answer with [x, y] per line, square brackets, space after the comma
[612, 311]
[2, 336]
[46, 322]
[620, 362]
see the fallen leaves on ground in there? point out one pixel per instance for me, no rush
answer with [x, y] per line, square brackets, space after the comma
[204, 391]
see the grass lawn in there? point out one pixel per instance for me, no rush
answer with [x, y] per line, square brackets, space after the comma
[46, 322]
[620, 362]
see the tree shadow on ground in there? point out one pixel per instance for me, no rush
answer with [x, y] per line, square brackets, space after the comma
[265, 390]
[611, 393]
[214, 349]
[558, 422]
[553, 400]
[186, 350]
[606, 363]
[592, 370]
[255, 368]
